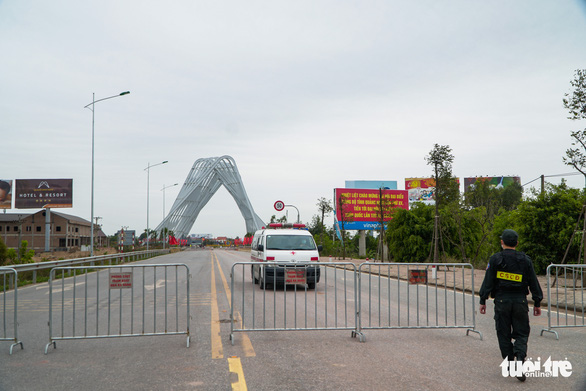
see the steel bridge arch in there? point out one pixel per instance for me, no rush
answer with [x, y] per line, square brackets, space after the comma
[204, 179]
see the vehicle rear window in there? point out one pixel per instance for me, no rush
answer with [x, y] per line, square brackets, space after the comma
[290, 242]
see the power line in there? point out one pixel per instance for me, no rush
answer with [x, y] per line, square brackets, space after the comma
[554, 175]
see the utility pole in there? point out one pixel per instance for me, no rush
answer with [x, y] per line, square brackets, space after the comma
[93, 230]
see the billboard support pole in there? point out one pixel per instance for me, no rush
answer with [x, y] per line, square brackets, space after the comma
[381, 238]
[47, 229]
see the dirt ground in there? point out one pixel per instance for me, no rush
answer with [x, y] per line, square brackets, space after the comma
[57, 255]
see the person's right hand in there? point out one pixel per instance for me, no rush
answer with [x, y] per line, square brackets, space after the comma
[483, 308]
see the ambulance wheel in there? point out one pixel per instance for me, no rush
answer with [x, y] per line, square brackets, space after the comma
[262, 282]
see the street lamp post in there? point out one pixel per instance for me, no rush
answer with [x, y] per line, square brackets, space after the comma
[91, 107]
[293, 206]
[148, 170]
[163, 190]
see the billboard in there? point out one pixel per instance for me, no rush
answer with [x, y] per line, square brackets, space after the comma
[389, 185]
[360, 209]
[495, 181]
[5, 193]
[421, 190]
[43, 193]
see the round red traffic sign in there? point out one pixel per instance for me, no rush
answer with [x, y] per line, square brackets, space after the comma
[279, 205]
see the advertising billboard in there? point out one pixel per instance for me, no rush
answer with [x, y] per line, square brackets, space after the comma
[388, 185]
[360, 209]
[5, 193]
[43, 193]
[421, 190]
[495, 181]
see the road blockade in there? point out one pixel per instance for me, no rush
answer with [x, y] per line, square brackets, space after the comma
[374, 296]
[565, 297]
[386, 301]
[9, 307]
[287, 303]
[118, 301]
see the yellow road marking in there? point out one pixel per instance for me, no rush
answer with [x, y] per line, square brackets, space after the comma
[225, 282]
[236, 374]
[217, 348]
[245, 341]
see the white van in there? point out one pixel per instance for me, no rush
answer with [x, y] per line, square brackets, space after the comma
[290, 243]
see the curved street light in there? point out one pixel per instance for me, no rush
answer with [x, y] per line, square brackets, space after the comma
[163, 190]
[91, 107]
[148, 170]
[293, 206]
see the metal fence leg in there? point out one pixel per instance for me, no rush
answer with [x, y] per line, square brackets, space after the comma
[360, 335]
[557, 337]
[15, 344]
[474, 331]
[49, 344]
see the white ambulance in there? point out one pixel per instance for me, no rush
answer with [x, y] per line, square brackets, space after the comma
[284, 243]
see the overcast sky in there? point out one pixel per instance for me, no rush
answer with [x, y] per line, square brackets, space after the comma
[304, 95]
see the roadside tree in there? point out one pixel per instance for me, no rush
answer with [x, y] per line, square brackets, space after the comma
[545, 224]
[447, 188]
[3, 253]
[325, 208]
[575, 102]
[410, 232]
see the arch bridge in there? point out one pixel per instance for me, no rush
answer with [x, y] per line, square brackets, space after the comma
[204, 179]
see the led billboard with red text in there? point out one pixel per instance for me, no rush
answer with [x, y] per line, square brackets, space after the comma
[360, 209]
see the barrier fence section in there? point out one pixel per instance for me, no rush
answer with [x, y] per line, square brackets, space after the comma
[565, 297]
[103, 260]
[118, 301]
[9, 307]
[284, 301]
[416, 296]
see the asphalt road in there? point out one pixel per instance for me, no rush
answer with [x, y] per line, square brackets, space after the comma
[398, 359]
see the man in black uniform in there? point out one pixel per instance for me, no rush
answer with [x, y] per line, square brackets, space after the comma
[509, 277]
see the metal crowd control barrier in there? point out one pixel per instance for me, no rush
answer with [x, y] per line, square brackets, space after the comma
[9, 307]
[408, 296]
[293, 306]
[103, 260]
[567, 296]
[118, 301]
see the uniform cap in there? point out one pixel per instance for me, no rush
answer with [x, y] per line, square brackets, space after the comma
[510, 237]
